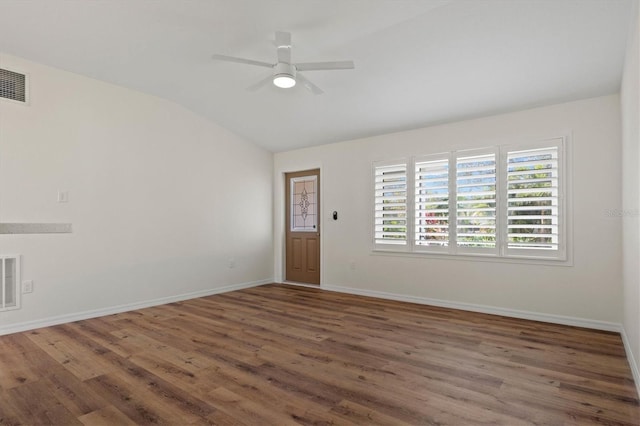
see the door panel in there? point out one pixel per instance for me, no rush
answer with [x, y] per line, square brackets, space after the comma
[302, 206]
[312, 254]
[296, 251]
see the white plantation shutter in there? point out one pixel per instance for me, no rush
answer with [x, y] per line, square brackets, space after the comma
[533, 200]
[476, 181]
[505, 201]
[390, 204]
[432, 202]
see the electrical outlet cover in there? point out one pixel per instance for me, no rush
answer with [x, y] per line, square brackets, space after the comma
[27, 286]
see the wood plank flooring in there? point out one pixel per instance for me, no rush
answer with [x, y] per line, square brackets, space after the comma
[284, 355]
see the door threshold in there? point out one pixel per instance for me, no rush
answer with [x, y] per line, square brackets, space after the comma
[301, 284]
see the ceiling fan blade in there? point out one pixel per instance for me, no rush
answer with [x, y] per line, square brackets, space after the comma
[241, 60]
[336, 65]
[260, 84]
[309, 85]
[283, 43]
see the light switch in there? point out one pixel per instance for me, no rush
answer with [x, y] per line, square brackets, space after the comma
[63, 196]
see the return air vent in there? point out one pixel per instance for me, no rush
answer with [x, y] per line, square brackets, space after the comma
[13, 86]
[9, 279]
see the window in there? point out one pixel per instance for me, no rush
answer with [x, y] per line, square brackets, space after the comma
[391, 204]
[533, 200]
[476, 182]
[432, 202]
[502, 201]
[304, 217]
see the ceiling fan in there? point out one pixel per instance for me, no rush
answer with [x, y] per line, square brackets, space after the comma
[285, 73]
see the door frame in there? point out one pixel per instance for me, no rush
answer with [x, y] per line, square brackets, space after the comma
[304, 275]
[280, 212]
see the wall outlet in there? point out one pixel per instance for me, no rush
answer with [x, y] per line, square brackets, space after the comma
[352, 264]
[232, 263]
[27, 286]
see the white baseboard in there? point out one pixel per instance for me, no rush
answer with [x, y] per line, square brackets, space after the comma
[556, 319]
[514, 313]
[299, 284]
[77, 316]
[632, 361]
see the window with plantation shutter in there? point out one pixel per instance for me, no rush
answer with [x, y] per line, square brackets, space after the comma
[533, 200]
[502, 202]
[391, 204]
[432, 202]
[476, 180]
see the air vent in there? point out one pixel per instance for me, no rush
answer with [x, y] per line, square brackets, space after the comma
[13, 85]
[9, 279]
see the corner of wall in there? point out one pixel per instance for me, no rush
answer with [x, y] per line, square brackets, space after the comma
[630, 124]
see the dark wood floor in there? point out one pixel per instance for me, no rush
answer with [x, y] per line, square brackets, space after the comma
[289, 355]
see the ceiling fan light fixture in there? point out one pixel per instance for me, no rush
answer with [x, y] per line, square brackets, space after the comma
[284, 81]
[284, 75]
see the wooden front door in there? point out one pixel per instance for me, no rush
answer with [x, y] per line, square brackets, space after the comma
[303, 226]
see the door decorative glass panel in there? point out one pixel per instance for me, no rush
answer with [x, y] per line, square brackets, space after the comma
[303, 198]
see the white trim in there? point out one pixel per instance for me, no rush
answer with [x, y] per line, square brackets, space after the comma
[77, 316]
[630, 358]
[493, 310]
[512, 313]
[473, 258]
[300, 284]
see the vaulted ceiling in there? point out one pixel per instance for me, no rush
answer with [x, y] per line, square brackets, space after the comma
[417, 62]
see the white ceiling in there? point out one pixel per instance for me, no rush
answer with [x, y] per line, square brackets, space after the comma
[418, 62]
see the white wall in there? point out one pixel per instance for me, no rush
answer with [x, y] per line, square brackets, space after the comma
[590, 290]
[160, 198]
[630, 100]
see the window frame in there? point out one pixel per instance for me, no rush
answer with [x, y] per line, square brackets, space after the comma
[502, 251]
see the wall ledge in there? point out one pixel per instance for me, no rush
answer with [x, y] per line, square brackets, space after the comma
[35, 228]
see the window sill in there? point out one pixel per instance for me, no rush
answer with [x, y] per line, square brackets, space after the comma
[476, 258]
